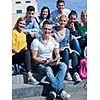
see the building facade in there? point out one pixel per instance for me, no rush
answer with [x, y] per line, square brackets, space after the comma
[19, 8]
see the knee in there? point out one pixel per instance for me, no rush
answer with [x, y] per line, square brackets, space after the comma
[63, 66]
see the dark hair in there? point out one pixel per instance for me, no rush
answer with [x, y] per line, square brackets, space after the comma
[18, 20]
[47, 21]
[30, 8]
[45, 7]
[60, 1]
[73, 12]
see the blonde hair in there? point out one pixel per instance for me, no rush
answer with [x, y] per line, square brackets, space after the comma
[82, 14]
[63, 16]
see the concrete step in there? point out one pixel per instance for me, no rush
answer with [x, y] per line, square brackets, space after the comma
[17, 79]
[80, 95]
[26, 90]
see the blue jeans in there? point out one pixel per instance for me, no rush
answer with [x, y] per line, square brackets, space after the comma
[56, 81]
[74, 44]
[73, 56]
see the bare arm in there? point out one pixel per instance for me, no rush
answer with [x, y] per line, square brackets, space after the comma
[56, 52]
[35, 58]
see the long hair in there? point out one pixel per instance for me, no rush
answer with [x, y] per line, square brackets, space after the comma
[45, 7]
[18, 20]
[82, 14]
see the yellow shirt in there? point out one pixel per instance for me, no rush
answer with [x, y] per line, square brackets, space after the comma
[18, 40]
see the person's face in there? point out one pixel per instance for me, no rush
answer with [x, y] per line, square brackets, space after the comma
[21, 25]
[73, 19]
[60, 7]
[47, 28]
[84, 17]
[63, 22]
[30, 15]
[45, 13]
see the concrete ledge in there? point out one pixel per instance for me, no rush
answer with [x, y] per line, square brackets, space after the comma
[25, 90]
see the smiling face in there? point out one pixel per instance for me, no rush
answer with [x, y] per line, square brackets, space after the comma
[30, 15]
[45, 13]
[47, 29]
[72, 18]
[84, 16]
[21, 25]
[62, 21]
[60, 7]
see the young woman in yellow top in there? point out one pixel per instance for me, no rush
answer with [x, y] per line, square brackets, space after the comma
[20, 54]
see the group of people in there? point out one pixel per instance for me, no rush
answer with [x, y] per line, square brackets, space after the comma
[50, 40]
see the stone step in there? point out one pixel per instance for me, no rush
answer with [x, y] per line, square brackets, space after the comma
[26, 90]
[80, 95]
[17, 79]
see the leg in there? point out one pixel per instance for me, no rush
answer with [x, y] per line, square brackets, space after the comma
[75, 45]
[65, 57]
[75, 63]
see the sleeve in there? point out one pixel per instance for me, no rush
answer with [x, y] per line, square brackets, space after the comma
[34, 44]
[33, 27]
[13, 39]
[56, 44]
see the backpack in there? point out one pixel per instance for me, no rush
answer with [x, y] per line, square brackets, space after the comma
[18, 68]
[83, 69]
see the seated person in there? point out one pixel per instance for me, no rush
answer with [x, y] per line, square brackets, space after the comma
[63, 37]
[60, 4]
[20, 54]
[42, 54]
[82, 29]
[31, 28]
[44, 14]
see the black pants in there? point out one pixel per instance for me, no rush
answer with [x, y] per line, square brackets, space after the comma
[23, 57]
[29, 41]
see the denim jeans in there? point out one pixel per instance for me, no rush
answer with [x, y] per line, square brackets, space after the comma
[56, 81]
[74, 59]
[74, 44]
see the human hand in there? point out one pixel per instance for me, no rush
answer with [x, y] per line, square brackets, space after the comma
[31, 34]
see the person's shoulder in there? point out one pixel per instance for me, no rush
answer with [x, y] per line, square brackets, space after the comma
[14, 31]
[36, 40]
[54, 12]
[67, 10]
[67, 30]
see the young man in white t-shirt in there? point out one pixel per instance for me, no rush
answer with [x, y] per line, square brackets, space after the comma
[42, 54]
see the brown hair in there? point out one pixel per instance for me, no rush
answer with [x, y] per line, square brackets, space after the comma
[47, 22]
[60, 1]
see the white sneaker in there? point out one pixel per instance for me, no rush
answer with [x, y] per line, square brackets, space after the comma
[76, 77]
[64, 95]
[32, 81]
[52, 95]
[68, 77]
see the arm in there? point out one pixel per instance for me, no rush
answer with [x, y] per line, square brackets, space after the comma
[35, 58]
[31, 27]
[56, 52]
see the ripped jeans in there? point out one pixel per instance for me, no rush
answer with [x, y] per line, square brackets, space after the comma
[56, 81]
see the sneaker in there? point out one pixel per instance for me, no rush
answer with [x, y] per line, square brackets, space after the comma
[68, 77]
[52, 95]
[32, 81]
[64, 95]
[76, 77]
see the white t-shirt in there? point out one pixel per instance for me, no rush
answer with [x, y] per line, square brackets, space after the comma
[55, 14]
[44, 50]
